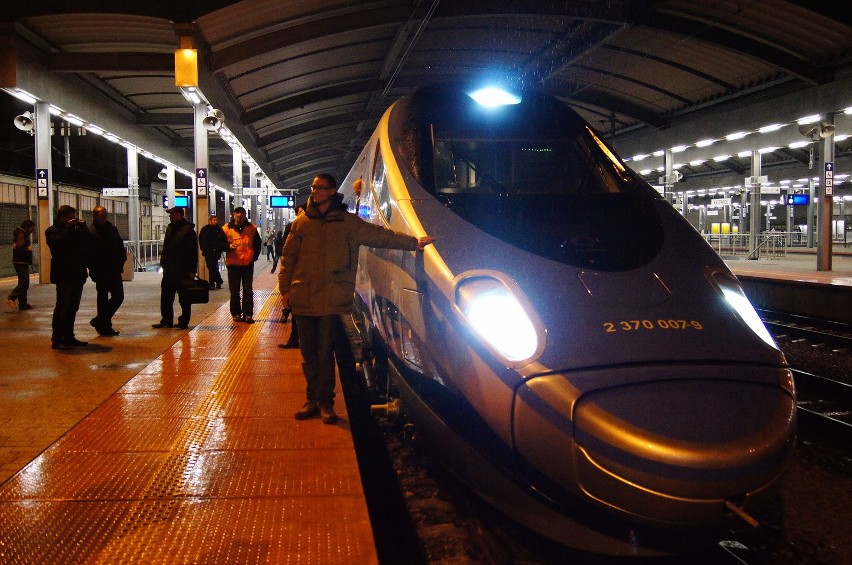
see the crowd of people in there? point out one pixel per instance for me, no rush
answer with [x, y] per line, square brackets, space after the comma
[316, 258]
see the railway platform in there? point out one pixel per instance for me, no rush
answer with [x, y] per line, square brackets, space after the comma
[168, 445]
[793, 285]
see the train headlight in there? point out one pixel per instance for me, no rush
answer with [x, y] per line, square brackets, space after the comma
[736, 299]
[500, 316]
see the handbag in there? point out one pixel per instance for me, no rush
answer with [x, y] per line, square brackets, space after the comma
[195, 290]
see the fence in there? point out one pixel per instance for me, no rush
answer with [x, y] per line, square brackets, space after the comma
[772, 245]
[149, 254]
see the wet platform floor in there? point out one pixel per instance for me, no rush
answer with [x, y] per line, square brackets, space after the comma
[192, 457]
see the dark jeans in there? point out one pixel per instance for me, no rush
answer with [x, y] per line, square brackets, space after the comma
[168, 288]
[110, 291]
[213, 268]
[316, 342]
[241, 275]
[19, 293]
[68, 296]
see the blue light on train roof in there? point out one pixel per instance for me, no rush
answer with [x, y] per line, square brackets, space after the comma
[492, 97]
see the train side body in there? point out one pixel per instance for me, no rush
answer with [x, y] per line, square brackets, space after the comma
[631, 396]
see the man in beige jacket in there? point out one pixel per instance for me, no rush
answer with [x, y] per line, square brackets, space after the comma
[317, 281]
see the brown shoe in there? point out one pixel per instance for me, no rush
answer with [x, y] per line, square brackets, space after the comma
[309, 410]
[327, 414]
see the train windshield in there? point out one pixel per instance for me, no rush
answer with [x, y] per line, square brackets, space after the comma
[565, 198]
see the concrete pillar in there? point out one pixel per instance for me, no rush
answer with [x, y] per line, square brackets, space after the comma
[44, 187]
[202, 186]
[825, 206]
[755, 212]
[133, 198]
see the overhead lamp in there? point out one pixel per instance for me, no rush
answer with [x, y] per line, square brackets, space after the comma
[213, 120]
[25, 122]
[74, 120]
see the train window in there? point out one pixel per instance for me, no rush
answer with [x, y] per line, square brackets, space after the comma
[380, 187]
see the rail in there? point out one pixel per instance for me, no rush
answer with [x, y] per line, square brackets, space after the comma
[770, 244]
[148, 256]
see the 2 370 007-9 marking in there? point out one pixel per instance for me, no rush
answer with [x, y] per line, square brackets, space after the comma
[636, 325]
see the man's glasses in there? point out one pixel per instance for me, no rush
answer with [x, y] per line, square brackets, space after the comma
[318, 187]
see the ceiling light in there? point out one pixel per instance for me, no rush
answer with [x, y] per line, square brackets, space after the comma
[769, 128]
[705, 142]
[679, 148]
[808, 119]
[492, 97]
[719, 158]
[737, 135]
[798, 144]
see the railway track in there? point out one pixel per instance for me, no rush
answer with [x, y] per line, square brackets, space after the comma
[824, 403]
[836, 335]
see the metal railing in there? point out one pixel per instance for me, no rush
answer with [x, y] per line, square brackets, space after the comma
[772, 245]
[149, 253]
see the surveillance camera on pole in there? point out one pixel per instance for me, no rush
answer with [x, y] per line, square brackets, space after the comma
[815, 132]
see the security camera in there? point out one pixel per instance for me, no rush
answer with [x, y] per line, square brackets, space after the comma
[25, 122]
[811, 131]
[213, 120]
[258, 174]
[163, 175]
[815, 132]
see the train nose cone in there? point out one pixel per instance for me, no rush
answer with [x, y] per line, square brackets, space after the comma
[674, 451]
[668, 452]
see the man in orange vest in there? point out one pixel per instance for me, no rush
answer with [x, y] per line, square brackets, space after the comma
[243, 250]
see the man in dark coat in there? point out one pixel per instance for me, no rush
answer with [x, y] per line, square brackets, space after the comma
[22, 260]
[179, 260]
[68, 240]
[107, 266]
[213, 243]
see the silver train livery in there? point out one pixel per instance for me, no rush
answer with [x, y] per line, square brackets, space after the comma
[569, 347]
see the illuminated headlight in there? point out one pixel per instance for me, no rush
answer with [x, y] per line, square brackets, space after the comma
[736, 299]
[499, 318]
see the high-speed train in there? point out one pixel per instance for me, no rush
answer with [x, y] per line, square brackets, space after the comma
[569, 347]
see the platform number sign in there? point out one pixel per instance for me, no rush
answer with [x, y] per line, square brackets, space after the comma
[42, 184]
[201, 182]
[829, 178]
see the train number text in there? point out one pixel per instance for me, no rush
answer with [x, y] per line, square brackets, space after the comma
[638, 325]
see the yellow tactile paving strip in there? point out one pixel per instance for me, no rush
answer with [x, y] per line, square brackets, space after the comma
[197, 459]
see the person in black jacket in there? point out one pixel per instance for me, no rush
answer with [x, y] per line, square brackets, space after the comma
[68, 240]
[22, 260]
[107, 266]
[179, 260]
[213, 243]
